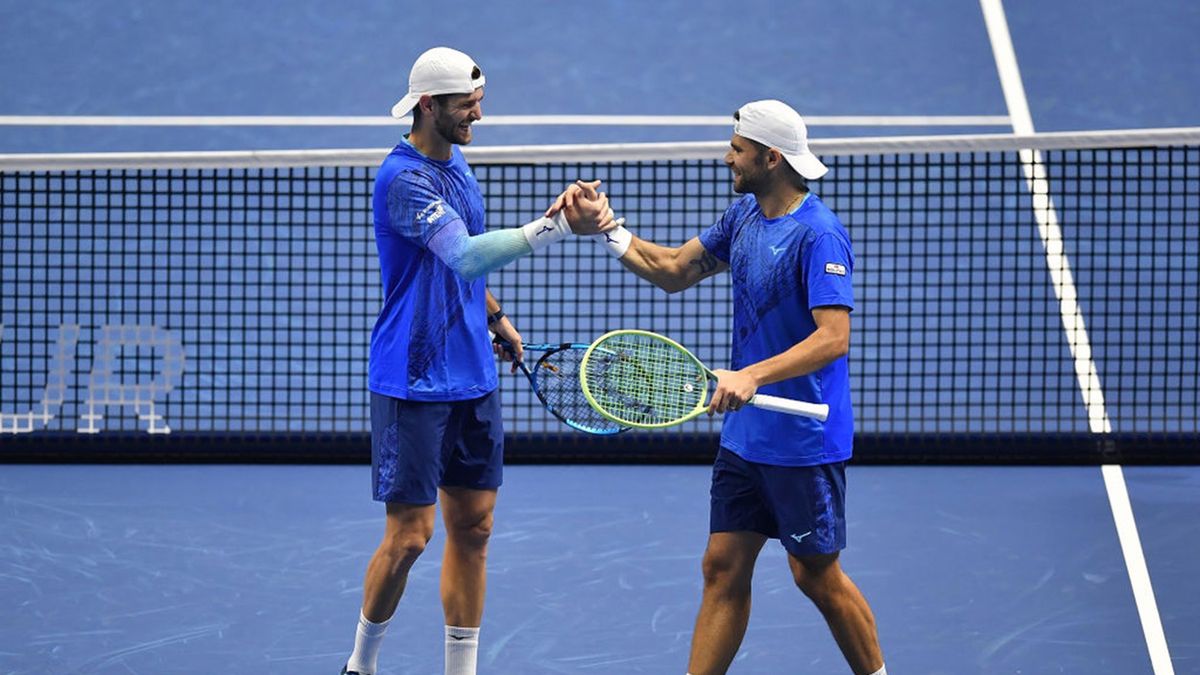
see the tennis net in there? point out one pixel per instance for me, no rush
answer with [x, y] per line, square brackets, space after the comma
[1019, 298]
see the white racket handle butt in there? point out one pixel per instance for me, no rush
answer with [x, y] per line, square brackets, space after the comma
[817, 411]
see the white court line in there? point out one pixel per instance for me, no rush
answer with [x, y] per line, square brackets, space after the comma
[496, 120]
[1047, 219]
[1076, 331]
[1139, 574]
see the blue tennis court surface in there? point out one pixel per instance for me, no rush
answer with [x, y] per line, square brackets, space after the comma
[180, 569]
[593, 569]
[1086, 65]
[213, 569]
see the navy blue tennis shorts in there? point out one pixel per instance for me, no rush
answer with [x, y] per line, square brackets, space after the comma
[804, 507]
[417, 446]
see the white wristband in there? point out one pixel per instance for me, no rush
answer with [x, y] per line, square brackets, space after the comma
[545, 231]
[615, 241]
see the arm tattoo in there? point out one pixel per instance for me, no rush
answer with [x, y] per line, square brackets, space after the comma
[706, 263]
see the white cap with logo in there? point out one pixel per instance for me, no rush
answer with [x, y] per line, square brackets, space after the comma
[440, 70]
[776, 125]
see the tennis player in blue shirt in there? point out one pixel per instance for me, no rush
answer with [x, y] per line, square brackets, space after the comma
[436, 432]
[775, 476]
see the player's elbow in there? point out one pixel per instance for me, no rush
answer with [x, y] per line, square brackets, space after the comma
[672, 285]
[469, 267]
[833, 331]
[838, 343]
[683, 285]
[471, 273]
[834, 342]
[841, 347]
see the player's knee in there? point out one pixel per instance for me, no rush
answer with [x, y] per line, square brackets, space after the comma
[816, 590]
[721, 571]
[409, 550]
[472, 533]
[405, 547]
[476, 536]
[821, 584]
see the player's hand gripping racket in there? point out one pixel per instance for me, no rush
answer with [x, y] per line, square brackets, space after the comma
[555, 380]
[641, 379]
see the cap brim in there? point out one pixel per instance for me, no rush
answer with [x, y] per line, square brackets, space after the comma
[807, 165]
[405, 105]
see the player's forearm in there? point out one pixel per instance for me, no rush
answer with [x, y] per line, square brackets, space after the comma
[657, 264]
[490, 251]
[822, 347]
[472, 256]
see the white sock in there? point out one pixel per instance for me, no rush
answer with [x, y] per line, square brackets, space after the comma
[367, 641]
[462, 646]
[882, 670]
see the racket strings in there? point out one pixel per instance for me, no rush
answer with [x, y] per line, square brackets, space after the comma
[557, 376]
[645, 381]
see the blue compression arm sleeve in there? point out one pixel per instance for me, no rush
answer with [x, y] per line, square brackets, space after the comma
[472, 257]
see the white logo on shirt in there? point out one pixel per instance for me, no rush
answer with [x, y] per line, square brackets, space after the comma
[835, 268]
[436, 209]
[777, 249]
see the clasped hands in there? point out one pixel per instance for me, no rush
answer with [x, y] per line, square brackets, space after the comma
[586, 210]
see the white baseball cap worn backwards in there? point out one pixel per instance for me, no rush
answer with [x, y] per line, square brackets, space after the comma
[440, 70]
[776, 125]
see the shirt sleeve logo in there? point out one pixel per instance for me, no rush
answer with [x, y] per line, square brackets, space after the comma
[436, 209]
[835, 268]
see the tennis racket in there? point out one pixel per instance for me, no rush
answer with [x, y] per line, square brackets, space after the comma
[555, 380]
[641, 379]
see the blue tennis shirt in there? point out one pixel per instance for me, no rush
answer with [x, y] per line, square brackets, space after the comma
[430, 342]
[782, 269]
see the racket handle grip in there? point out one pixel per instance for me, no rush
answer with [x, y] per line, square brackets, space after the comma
[817, 411]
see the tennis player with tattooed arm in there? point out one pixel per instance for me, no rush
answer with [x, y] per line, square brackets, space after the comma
[436, 433]
[776, 476]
